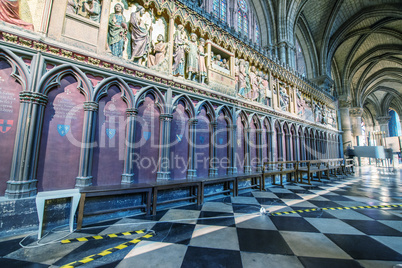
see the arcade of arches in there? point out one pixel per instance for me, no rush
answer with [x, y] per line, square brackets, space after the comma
[130, 91]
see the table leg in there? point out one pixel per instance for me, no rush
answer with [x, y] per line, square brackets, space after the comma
[81, 211]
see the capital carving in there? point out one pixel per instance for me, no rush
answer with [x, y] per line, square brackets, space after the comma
[382, 120]
[33, 97]
[345, 101]
[91, 106]
[166, 117]
[131, 112]
[356, 112]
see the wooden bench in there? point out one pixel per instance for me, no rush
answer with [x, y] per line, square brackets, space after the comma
[348, 166]
[310, 167]
[112, 190]
[279, 168]
[335, 166]
[194, 186]
[256, 181]
[229, 185]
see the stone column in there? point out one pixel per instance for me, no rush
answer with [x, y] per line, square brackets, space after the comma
[84, 177]
[282, 52]
[344, 104]
[232, 150]
[356, 123]
[259, 150]
[308, 148]
[213, 170]
[247, 166]
[296, 147]
[287, 145]
[165, 121]
[128, 174]
[383, 122]
[303, 149]
[191, 172]
[271, 146]
[22, 182]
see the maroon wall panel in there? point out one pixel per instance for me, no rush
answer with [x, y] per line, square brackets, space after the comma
[240, 147]
[202, 144]
[110, 139]
[9, 110]
[222, 145]
[59, 154]
[179, 143]
[146, 151]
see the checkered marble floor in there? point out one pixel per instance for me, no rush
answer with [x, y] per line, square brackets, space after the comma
[231, 232]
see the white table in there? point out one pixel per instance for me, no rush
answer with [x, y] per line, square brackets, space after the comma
[41, 198]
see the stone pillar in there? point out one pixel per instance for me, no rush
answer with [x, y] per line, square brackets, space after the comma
[308, 148]
[296, 147]
[383, 122]
[356, 123]
[271, 146]
[191, 172]
[213, 170]
[84, 177]
[232, 150]
[282, 52]
[259, 148]
[128, 174]
[303, 149]
[279, 143]
[247, 166]
[164, 150]
[344, 105]
[22, 182]
[287, 145]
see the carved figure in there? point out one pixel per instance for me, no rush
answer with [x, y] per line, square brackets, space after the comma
[158, 52]
[236, 71]
[253, 84]
[10, 13]
[218, 60]
[317, 112]
[242, 78]
[117, 31]
[248, 83]
[178, 55]
[284, 99]
[192, 57]
[139, 28]
[202, 69]
[72, 7]
[225, 64]
[93, 9]
[301, 104]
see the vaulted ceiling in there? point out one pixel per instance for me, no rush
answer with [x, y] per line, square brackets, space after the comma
[356, 43]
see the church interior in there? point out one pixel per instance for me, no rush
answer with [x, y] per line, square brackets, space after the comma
[208, 133]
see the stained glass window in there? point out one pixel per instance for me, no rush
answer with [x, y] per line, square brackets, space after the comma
[245, 24]
[243, 5]
[242, 17]
[219, 9]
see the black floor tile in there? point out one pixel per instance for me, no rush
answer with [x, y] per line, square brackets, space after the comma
[95, 247]
[191, 207]
[300, 191]
[270, 201]
[96, 228]
[10, 263]
[157, 217]
[310, 262]
[207, 257]
[227, 219]
[363, 247]
[324, 204]
[312, 214]
[379, 214]
[336, 197]
[296, 224]
[173, 232]
[6, 247]
[288, 196]
[245, 208]
[262, 241]
[373, 228]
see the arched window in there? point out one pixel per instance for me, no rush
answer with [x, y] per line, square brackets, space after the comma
[242, 17]
[219, 8]
[300, 61]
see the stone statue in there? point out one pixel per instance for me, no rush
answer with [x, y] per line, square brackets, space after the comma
[212, 57]
[10, 13]
[72, 7]
[284, 99]
[218, 60]
[253, 83]
[236, 71]
[178, 54]
[242, 79]
[202, 69]
[247, 91]
[317, 112]
[117, 31]
[225, 64]
[139, 28]
[324, 114]
[301, 104]
[192, 57]
[158, 51]
[93, 9]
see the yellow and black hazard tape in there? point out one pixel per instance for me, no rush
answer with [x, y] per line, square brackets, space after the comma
[99, 237]
[107, 251]
[335, 208]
